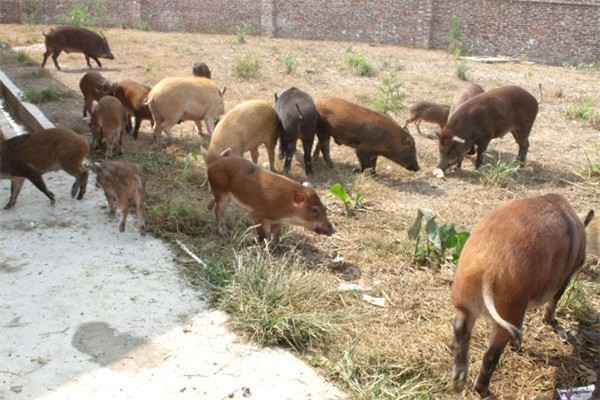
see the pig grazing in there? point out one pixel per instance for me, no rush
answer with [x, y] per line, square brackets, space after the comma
[467, 91]
[243, 129]
[520, 255]
[298, 115]
[370, 133]
[484, 117]
[93, 87]
[428, 112]
[173, 100]
[123, 181]
[272, 199]
[31, 155]
[72, 39]
[132, 94]
[109, 121]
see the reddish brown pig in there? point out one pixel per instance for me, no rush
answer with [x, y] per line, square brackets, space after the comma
[243, 129]
[132, 94]
[272, 199]
[173, 100]
[124, 182]
[520, 255]
[109, 121]
[72, 39]
[484, 117]
[467, 91]
[428, 112]
[370, 133]
[31, 155]
[93, 87]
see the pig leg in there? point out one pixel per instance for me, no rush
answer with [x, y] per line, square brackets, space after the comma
[254, 155]
[262, 230]
[307, 146]
[15, 188]
[221, 204]
[550, 307]
[366, 159]
[521, 135]
[199, 126]
[136, 128]
[290, 150]
[498, 340]
[81, 177]
[271, 153]
[139, 209]
[35, 177]
[124, 202]
[46, 55]
[417, 123]
[463, 326]
[323, 145]
[55, 58]
[111, 202]
[275, 232]
[481, 148]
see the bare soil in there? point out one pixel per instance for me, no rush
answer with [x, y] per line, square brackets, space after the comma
[414, 329]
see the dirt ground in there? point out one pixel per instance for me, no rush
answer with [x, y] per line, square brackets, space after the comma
[415, 328]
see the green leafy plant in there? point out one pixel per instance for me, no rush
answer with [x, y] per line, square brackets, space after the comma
[85, 14]
[290, 63]
[456, 45]
[187, 165]
[585, 111]
[350, 203]
[462, 70]
[241, 32]
[391, 97]
[49, 93]
[575, 300]
[437, 240]
[34, 12]
[499, 173]
[248, 66]
[360, 65]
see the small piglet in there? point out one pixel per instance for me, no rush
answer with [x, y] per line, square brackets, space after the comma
[272, 199]
[109, 121]
[71, 39]
[93, 87]
[132, 94]
[31, 155]
[428, 112]
[123, 181]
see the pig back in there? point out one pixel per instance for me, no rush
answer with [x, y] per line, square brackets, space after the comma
[133, 94]
[297, 112]
[193, 95]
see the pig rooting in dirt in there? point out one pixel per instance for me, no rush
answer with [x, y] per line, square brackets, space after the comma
[123, 182]
[31, 155]
[272, 199]
[73, 39]
[109, 122]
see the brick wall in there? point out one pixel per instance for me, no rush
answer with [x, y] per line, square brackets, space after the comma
[550, 31]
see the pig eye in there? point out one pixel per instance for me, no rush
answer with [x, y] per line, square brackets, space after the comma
[315, 211]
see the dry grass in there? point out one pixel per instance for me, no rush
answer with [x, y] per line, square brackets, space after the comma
[402, 350]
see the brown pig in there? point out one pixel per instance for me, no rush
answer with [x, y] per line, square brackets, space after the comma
[520, 255]
[428, 112]
[31, 155]
[467, 91]
[73, 39]
[272, 199]
[94, 86]
[132, 94]
[109, 121]
[173, 100]
[370, 133]
[243, 129]
[123, 181]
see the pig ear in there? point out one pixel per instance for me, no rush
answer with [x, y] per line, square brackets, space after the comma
[299, 198]
[458, 140]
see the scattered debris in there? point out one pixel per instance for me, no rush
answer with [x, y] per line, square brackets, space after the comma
[491, 60]
[577, 393]
[16, 389]
[376, 301]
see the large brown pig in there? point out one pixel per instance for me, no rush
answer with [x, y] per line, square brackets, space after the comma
[72, 39]
[243, 129]
[484, 117]
[173, 100]
[31, 155]
[109, 121]
[370, 133]
[272, 199]
[132, 94]
[93, 87]
[428, 112]
[123, 181]
[520, 255]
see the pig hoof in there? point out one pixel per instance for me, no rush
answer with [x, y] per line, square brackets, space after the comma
[121, 228]
[8, 206]
[438, 173]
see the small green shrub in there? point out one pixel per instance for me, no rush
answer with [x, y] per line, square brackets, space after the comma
[390, 98]
[360, 65]
[145, 25]
[49, 93]
[585, 111]
[438, 239]
[34, 12]
[187, 165]
[499, 173]
[248, 66]
[290, 63]
[592, 166]
[456, 45]
[575, 300]
[462, 70]
[92, 13]
[350, 203]
[241, 32]
[23, 57]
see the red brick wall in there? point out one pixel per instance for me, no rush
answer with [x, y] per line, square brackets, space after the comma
[550, 31]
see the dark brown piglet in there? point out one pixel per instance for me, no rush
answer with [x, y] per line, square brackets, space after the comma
[370, 133]
[132, 95]
[123, 182]
[31, 155]
[272, 199]
[71, 39]
[93, 87]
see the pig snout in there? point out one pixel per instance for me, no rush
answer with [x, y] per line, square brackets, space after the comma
[108, 55]
[325, 228]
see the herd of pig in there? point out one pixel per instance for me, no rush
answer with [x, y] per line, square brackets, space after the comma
[521, 254]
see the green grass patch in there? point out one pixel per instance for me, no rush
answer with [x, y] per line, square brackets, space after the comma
[290, 61]
[360, 65]
[242, 32]
[248, 66]
[499, 173]
[44, 95]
